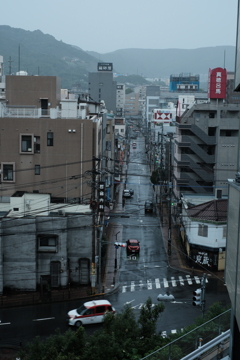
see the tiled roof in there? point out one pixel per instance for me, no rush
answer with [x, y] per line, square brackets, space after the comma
[214, 210]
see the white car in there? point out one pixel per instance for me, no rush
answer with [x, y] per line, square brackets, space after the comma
[127, 193]
[91, 312]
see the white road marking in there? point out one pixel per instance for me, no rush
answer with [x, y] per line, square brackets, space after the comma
[5, 323]
[129, 302]
[173, 281]
[189, 279]
[132, 285]
[165, 282]
[157, 282]
[141, 284]
[124, 288]
[149, 284]
[181, 280]
[43, 319]
[197, 279]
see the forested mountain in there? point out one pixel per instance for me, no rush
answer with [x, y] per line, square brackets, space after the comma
[44, 55]
[157, 63]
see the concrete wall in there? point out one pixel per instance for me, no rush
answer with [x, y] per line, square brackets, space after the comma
[18, 251]
[28, 90]
[24, 261]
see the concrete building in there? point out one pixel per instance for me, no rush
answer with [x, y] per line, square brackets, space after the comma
[232, 270]
[120, 100]
[102, 87]
[132, 105]
[203, 229]
[47, 143]
[44, 244]
[205, 154]
[184, 83]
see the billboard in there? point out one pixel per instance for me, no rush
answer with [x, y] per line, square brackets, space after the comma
[162, 116]
[217, 83]
[105, 67]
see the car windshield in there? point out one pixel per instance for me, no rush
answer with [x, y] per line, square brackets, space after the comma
[81, 310]
[133, 243]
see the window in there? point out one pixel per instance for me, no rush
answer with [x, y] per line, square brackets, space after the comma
[26, 143]
[49, 139]
[37, 169]
[37, 144]
[100, 309]
[47, 243]
[202, 230]
[8, 172]
[224, 232]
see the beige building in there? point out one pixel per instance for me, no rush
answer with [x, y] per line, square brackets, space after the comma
[47, 144]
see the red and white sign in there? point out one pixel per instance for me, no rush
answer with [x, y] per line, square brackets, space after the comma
[164, 117]
[217, 83]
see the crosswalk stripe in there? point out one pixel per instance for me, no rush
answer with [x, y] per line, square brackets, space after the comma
[157, 282]
[181, 280]
[149, 284]
[173, 281]
[189, 279]
[197, 279]
[165, 282]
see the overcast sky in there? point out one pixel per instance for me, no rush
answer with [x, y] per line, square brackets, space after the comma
[108, 25]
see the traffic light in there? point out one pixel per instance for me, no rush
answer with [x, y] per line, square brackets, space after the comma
[197, 297]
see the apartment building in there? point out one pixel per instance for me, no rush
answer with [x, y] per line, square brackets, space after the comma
[47, 143]
[205, 154]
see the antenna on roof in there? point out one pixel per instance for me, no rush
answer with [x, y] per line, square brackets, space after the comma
[10, 65]
[224, 59]
[19, 58]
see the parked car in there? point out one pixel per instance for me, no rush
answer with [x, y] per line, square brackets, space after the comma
[133, 246]
[91, 312]
[127, 193]
[148, 206]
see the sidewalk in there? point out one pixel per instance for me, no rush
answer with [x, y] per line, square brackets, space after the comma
[114, 234]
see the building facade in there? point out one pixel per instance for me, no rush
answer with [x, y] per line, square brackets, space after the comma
[47, 144]
[205, 154]
[102, 87]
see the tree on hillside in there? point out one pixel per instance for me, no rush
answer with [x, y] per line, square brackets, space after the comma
[128, 91]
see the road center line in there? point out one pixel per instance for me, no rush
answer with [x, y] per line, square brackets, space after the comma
[51, 318]
[5, 323]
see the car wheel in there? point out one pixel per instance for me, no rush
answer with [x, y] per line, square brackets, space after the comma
[78, 324]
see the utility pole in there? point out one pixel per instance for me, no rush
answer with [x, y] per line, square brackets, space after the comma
[203, 283]
[170, 199]
[94, 222]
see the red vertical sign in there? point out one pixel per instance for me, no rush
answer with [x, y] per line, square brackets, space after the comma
[217, 83]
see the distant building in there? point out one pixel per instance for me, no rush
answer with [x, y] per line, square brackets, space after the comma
[120, 100]
[184, 82]
[102, 87]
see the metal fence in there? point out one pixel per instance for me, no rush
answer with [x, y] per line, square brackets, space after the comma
[189, 342]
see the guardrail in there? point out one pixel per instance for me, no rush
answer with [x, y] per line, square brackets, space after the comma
[202, 338]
